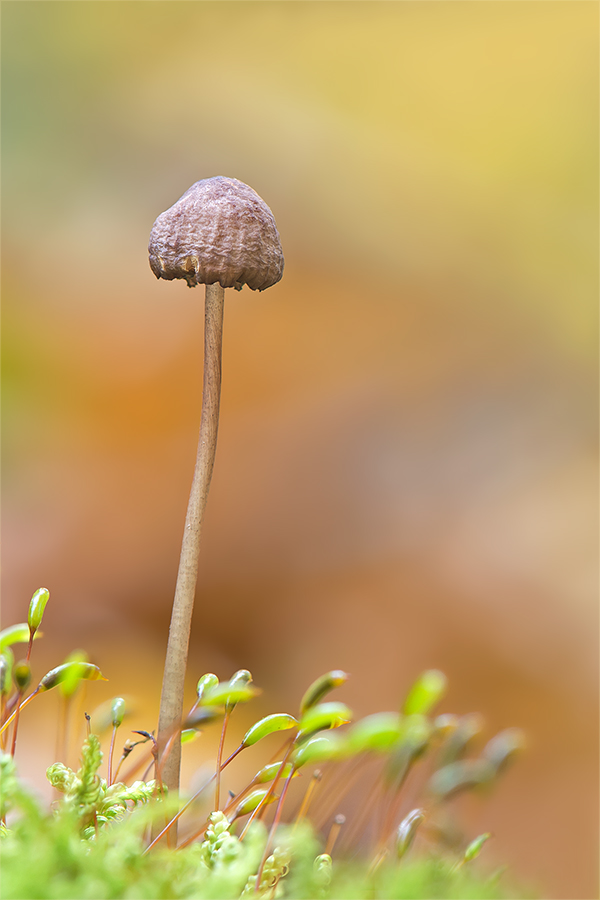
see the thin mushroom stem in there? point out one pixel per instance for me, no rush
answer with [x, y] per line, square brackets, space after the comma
[171, 703]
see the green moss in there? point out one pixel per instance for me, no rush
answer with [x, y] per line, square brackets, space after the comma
[93, 844]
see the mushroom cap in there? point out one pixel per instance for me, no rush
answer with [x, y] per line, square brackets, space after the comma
[218, 231]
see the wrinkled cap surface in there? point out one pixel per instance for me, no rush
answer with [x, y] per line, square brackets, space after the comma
[218, 231]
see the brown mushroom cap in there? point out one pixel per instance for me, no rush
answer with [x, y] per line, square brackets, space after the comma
[218, 231]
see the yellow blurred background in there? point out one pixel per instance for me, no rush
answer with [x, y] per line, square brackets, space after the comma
[406, 474]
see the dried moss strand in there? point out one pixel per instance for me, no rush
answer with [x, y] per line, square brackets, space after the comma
[171, 705]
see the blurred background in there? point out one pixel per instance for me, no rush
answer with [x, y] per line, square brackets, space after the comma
[406, 474]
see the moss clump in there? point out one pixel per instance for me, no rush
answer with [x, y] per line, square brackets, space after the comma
[96, 842]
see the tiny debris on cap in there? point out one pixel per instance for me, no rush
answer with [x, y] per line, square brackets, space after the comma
[218, 231]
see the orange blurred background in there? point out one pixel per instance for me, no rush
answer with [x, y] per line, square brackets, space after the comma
[406, 474]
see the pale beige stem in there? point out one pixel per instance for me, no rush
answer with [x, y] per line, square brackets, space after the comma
[171, 702]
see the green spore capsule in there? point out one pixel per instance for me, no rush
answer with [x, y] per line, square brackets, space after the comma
[85, 671]
[502, 748]
[117, 711]
[475, 847]
[242, 676]
[414, 740]
[253, 799]
[461, 776]
[240, 679]
[428, 689]
[458, 739]
[322, 717]
[207, 681]
[21, 675]
[268, 772]
[268, 725]
[319, 749]
[72, 678]
[407, 831]
[377, 732]
[37, 606]
[229, 694]
[322, 686]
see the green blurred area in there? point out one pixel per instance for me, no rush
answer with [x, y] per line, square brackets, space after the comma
[407, 467]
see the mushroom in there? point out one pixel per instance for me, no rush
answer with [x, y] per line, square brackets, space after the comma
[220, 234]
